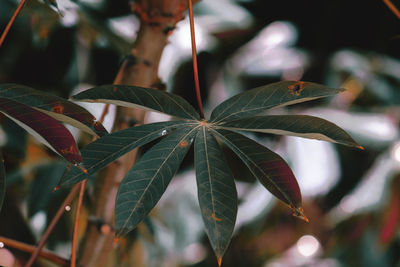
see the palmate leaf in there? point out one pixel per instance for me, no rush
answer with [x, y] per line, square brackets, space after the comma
[2, 180]
[46, 129]
[138, 97]
[148, 179]
[103, 151]
[216, 191]
[258, 100]
[294, 125]
[146, 182]
[270, 169]
[54, 106]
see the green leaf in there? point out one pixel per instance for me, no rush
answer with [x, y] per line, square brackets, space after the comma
[270, 169]
[105, 150]
[216, 191]
[46, 129]
[2, 181]
[295, 125]
[145, 183]
[54, 106]
[258, 100]
[139, 97]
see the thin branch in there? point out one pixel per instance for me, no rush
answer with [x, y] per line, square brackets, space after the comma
[11, 22]
[76, 222]
[83, 183]
[194, 57]
[29, 248]
[392, 7]
[53, 223]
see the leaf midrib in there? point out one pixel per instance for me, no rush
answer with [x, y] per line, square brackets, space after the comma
[209, 178]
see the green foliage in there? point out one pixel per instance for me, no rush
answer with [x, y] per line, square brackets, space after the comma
[146, 182]
[148, 179]
[216, 191]
[105, 150]
[259, 100]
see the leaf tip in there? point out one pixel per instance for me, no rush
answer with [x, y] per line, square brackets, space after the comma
[299, 213]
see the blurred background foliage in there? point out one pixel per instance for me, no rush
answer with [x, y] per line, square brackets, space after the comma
[351, 197]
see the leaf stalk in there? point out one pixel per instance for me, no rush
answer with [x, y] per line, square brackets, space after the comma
[53, 223]
[194, 57]
[11, 22]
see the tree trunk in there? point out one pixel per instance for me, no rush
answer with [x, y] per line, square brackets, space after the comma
[158, 19]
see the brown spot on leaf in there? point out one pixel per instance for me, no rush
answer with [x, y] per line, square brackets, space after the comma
[69, 150]
[58, 108]
[296, 88]
[56, 188]
[219, 261]
[82, 169]
[215, 218]
[183, 144]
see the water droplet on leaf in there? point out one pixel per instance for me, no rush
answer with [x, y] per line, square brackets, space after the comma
[67, 208]
[164, 132]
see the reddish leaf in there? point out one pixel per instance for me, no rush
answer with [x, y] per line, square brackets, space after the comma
[48, 130]
[54, 106]
[268, 167]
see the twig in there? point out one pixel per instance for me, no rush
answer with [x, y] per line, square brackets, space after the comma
[29, 248]
[76, 222]
[194, 57]
[11, 22]
[83, 183]
[53, 223]
[392, 7]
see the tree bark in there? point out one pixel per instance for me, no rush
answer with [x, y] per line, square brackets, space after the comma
[158, 19]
